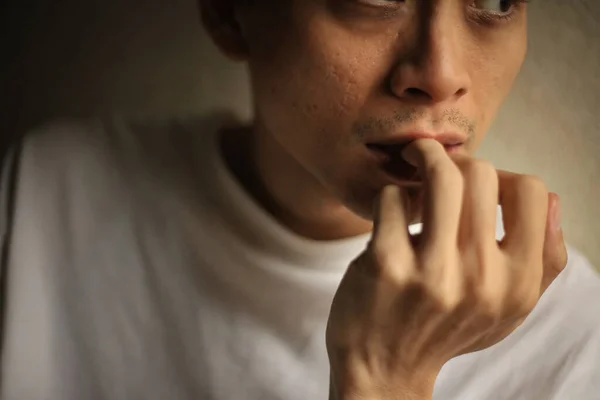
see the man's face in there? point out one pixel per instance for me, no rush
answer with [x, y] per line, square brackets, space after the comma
[333, 77]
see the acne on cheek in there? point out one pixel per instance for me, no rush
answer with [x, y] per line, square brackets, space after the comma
[317, 80]
[358, 71]
[324, 90]
[344, 86]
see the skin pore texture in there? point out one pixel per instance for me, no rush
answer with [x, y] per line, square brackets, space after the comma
[330, 76]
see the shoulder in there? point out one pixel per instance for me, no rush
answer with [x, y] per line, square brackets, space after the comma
[96, 171]
[85, 143]
[67, 149]
[127, 149]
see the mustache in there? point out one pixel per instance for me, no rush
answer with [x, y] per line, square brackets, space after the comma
[362, 130]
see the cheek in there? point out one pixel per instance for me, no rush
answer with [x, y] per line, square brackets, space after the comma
[312, 76]
[310, 83]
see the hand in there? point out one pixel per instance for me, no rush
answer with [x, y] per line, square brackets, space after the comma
[407, 305]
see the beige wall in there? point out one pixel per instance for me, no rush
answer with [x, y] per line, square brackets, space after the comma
[149, 56]
[550, 125]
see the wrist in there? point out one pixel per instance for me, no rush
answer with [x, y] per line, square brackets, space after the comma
[400, 389]
[383, 394]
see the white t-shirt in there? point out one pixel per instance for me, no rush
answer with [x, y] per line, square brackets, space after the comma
[140, 269]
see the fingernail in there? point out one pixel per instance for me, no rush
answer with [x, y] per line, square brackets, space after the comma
[409, 155]
[557, 214]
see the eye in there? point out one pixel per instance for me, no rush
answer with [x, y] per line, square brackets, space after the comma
[496, 6]
[382, 3]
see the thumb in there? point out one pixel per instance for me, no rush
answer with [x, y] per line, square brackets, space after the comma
[555, 251]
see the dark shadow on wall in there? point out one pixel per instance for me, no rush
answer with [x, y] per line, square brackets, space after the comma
[20, 22]
[72, 58]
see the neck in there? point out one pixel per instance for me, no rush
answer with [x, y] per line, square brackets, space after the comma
[285, 189]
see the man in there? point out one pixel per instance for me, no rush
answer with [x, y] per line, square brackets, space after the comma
[211, 260]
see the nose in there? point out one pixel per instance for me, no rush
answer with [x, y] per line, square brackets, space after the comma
[435, 70]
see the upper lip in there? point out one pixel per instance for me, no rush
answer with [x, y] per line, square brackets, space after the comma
[445, 138]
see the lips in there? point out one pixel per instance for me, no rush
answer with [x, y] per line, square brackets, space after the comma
[390, 156]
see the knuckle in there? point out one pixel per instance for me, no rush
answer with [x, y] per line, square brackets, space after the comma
[524, 301]
[531, 185]
[390, 265]
[445, 290]
[441, 300]
[381, 256]
[484, 259]
[489, 303]
[452, 298]
[479, 170]
[450, 178]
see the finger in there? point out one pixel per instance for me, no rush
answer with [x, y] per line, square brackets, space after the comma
[524, 202]
[555, 251]
[477, 232]
[442, 194]
[390, 231]
[480, 203]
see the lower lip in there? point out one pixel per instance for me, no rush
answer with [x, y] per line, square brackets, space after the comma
[400, 179]
[454, 149]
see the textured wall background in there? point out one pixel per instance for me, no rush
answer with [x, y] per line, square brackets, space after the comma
[94, 57]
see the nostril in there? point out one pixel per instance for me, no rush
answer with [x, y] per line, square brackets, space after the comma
[416, 92]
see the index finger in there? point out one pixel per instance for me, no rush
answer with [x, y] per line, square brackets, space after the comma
[443, 193]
